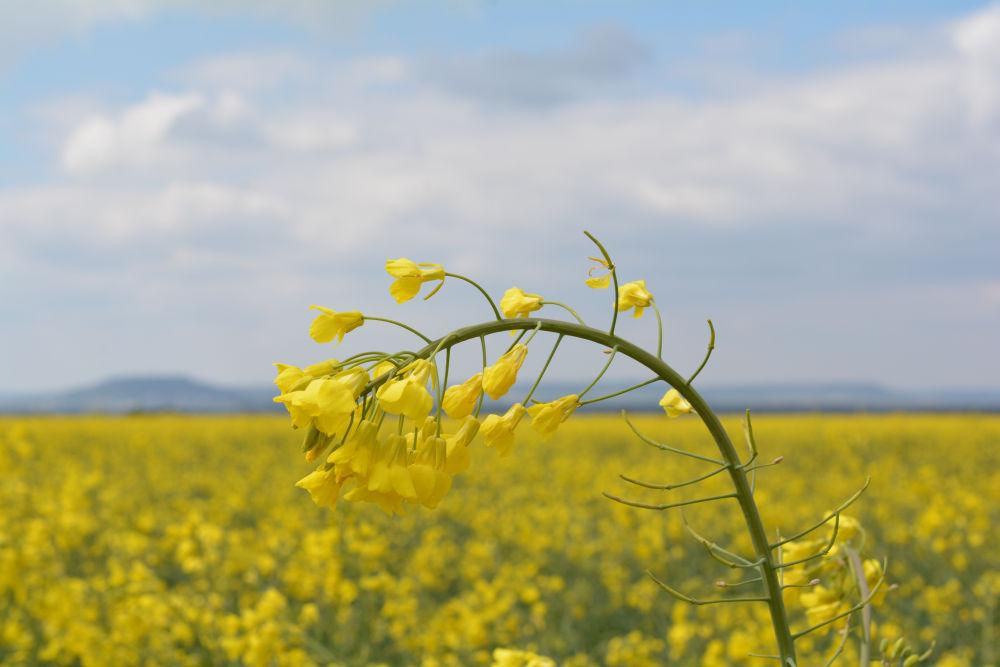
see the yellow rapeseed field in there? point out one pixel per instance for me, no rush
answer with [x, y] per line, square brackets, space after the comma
[165, 540]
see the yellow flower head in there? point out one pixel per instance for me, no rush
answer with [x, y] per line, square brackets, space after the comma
[325, 402]
[330, 324]
[546, 417]
[599, 282]
[518, 303]
[498, 432]
[409, 276]
[507, 657]
[634, 295]
[498, 378]
[457, 450]
[674, 404]
[460, 400]
[322, 485]
[406, 394]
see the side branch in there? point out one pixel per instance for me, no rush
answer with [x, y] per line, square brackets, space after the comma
[695, 601]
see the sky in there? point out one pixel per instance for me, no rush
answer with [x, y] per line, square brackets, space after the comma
[178, 184]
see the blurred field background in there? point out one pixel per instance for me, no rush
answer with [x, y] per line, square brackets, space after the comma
[181, 540]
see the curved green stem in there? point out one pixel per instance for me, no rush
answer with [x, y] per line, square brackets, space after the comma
[614, 279]
[564, 306]
[489, 299]
[741, 485]
[398, 324]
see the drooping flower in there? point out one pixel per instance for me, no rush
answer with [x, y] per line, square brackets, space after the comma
[599, 282]
[634, 295]
[330, 324]
[460, 400]
[518, 303]
[290, 377]
[354, 458]
[389, 474]
[498, 378]
[409, 276]
[406, 393]
[674, 404]
[457, 449]
[546, 417]
[498, 431]
[325, 402]
[428, 472]
[322, 485]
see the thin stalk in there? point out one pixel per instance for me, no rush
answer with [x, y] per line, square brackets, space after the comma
[398, 324]
[708, 353]
[542, 374]
[607, 365]
[482, 394]
[858, 568]
[564, 306]
[619, 393]
[489, 299]
[659, 330]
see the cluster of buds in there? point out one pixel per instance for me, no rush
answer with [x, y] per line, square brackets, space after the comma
[375, 419]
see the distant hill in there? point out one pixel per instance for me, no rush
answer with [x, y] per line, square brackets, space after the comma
[184, 394]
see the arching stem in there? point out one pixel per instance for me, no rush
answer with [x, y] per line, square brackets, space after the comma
[741, 485]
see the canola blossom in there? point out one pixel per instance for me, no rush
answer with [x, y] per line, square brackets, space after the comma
[404, 450]
[165, 540]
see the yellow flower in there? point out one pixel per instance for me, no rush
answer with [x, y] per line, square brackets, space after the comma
[330, 324]
[518, 303]
[354, 458]
[498, 432]
[430, 479]
[290, 377]
[634, 295]
[409, 276]
[406, 394]
[460, 399]
[674, 404]
[389, 474]
[322, 485]
[457, 449]
[325, 402]
[507, 657]
[498, 378]
[599, 282]
[546, 417]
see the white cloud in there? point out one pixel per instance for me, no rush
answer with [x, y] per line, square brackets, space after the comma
[137, 136]
[830, 183]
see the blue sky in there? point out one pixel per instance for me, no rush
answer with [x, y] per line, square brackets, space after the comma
[178, 185]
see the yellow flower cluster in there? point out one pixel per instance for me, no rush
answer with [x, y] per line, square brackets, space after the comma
[164, 540]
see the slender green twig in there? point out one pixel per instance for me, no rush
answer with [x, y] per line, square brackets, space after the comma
[489, 299]
[659, 331]
[607, 365]
[708, 353]
[668, 448]
[834, 513]
[572, 312]
[690, 600]
[531, 392]
[666, 506]
[398, 324]
[671, 487]
[482, 394]
[619, 393]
